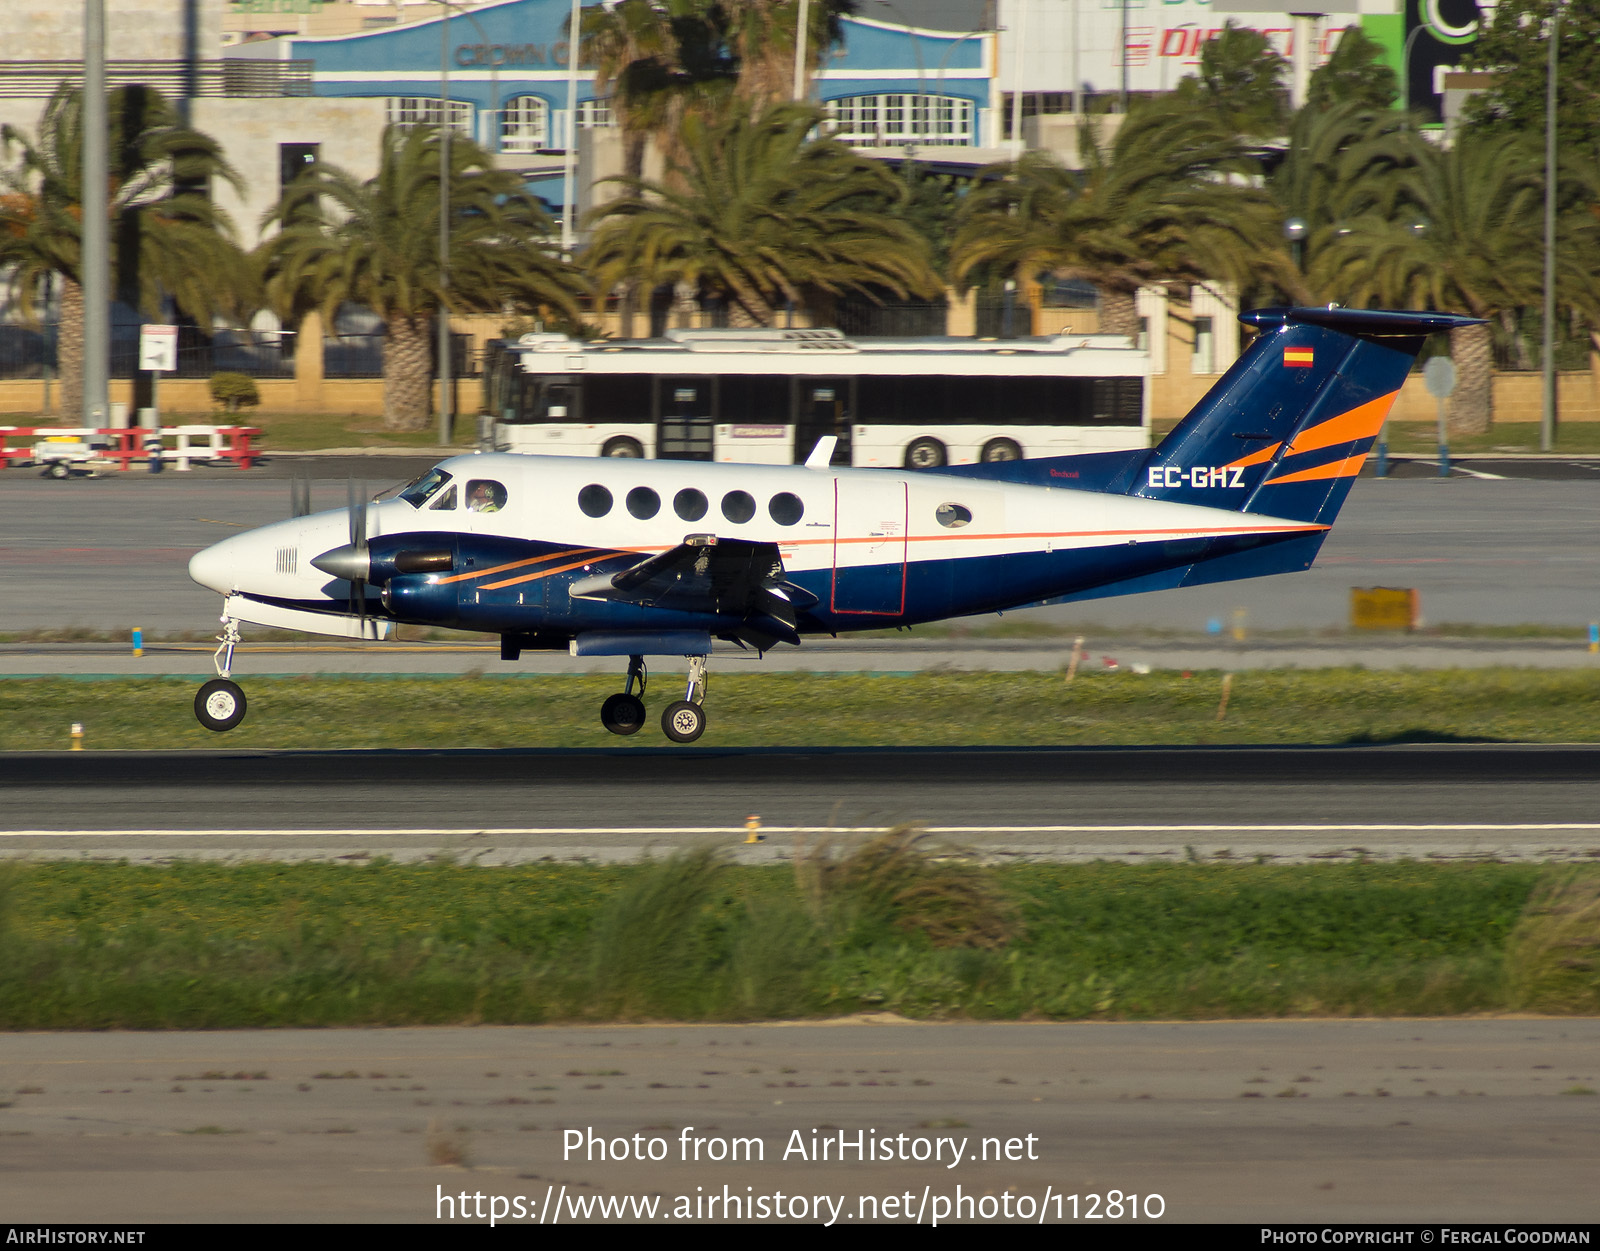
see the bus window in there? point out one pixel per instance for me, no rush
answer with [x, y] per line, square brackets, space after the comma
[738, 506]
[690, 504]
[609, 398]
[594, 500]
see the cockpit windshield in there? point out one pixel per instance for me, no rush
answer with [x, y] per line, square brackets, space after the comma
[422, 489]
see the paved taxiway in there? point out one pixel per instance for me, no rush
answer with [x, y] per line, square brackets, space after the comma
[113, 553]
[1343, 1121]
[1282, 804]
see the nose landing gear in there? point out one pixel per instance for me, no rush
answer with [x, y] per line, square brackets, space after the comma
[220, 704]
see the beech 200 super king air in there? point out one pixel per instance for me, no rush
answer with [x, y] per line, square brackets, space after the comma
[635, 558]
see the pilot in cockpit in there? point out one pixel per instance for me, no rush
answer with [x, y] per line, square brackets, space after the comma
[484, 496]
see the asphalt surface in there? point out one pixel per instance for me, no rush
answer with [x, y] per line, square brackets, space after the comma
[112, 553]
[1361, 1122]
[1440, 802]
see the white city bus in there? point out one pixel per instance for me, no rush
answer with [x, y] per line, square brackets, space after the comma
[766, 396]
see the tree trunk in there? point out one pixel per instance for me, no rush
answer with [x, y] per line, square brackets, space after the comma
[1119, 312]
[406, 381]
[69, 350]
[747, 308]
[1470, 409]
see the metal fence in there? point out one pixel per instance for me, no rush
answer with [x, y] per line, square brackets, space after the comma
[30, 352]
[896, 319]
[1519, 345]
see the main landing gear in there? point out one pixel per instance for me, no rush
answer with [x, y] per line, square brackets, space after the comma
[220, 705]
[682, 722]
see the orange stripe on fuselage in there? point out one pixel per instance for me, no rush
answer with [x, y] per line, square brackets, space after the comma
[534, 577]
[1361, 422]
[1347, 468]
[516, 564]
[1255, 458]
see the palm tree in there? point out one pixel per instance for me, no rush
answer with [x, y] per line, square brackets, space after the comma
[760, 213]
[167, 236]
[1336, 157]
[1163, 203]
[1461, 229]
[376, 243]
[761, 35]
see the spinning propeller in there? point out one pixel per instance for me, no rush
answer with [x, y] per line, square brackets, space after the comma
[353, 562]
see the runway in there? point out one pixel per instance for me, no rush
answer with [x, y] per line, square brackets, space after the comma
[1442, 802]
[1366, 1122]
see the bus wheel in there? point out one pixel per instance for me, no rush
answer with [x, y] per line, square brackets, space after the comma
[1000, 449]
[623, 447]
[925, 454]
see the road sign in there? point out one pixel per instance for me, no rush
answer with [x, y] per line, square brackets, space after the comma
[158, 348]
[1439, 376]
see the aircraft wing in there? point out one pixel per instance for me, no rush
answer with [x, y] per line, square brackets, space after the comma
[735, 578]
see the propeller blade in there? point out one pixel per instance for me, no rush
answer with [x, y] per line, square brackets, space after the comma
[299, 495]
[358, 546]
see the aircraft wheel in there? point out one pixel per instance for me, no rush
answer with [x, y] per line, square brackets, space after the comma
[219, 705]
[683, 722]
[622, 714]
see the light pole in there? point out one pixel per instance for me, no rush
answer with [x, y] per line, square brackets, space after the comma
[801, 30]
[444, 227]
[569, 156]
[1405, 71]
[96, 273]
[1547, 415]
[1295, 231]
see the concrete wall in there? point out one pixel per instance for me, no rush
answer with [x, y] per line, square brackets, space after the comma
[136, 30]
[250, 131]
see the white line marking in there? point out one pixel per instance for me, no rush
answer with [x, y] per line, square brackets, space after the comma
[731, 830]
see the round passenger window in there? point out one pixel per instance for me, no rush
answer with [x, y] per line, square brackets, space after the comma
[786, 509]
[643, 503]
[595, 500]
[738, 506]
[690, 504]
[953, 516]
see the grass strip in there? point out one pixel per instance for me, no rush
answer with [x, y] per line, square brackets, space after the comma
[886, 927]
[931, 708]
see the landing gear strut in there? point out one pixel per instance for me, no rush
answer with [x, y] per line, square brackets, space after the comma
[624, 713]
[685, 721]
[220, 705]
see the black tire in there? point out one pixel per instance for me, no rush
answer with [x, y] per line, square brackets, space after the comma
[925, 454]
[1000, 449]
[629, 448]
[683, 722]
[622, 714]
[58, 469]
[219, 705]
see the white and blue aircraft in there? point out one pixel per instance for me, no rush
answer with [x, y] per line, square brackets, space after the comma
[636, 558]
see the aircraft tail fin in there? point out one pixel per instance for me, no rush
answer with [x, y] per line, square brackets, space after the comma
[1285, 431]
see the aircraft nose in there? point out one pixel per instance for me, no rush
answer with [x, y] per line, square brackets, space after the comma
[214, 568]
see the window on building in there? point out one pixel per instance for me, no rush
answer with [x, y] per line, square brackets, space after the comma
[1205, 347]
[900, 119]
[426, 111]
[595, 115]
[293, 160]
[525, 125]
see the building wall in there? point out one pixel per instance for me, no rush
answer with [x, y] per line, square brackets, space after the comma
[251, 130]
